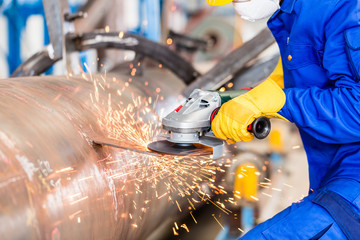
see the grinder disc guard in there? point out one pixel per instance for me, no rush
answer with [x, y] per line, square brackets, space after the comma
[189, 128]
[179, 149]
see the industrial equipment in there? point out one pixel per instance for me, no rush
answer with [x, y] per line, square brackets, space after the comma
[189, 125]
[56, 184]
[62, 178]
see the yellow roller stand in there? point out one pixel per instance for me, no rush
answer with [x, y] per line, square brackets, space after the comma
[246, 183]
[276, 141]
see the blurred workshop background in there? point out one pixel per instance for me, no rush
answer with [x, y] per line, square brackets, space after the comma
[110, 65]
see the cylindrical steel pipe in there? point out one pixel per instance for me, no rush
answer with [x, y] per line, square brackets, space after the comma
[55, 184]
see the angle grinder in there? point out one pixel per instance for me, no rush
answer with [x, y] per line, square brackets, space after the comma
[189, 126]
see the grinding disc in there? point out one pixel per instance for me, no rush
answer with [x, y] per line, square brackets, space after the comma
[170, 148]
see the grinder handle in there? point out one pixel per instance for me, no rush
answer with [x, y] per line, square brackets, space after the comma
[261, 127]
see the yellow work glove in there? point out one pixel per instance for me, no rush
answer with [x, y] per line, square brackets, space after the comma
[234, 117]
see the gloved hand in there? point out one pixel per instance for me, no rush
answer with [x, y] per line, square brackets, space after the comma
[235, 116]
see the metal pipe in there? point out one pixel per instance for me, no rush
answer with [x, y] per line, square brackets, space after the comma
[41, 61]
[140, 45]
[55, 184]
[37, 63]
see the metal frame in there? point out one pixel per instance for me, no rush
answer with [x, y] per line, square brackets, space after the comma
[72, 43]
[233, 63]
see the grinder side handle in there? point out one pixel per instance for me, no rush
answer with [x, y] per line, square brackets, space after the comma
[261, 127]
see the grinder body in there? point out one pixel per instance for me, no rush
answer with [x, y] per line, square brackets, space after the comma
[190, 123]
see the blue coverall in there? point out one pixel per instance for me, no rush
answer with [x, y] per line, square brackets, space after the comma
[319, 42]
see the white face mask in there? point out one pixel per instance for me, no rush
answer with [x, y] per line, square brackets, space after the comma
[253, 10]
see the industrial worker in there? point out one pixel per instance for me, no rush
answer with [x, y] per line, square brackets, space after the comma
[316, 86]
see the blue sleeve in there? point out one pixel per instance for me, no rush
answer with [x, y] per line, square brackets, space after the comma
[332, 115]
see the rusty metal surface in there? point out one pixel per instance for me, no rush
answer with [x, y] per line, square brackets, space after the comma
[55, 184]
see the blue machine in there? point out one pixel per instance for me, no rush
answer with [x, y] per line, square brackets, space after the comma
[149, 19]
[17, 13]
